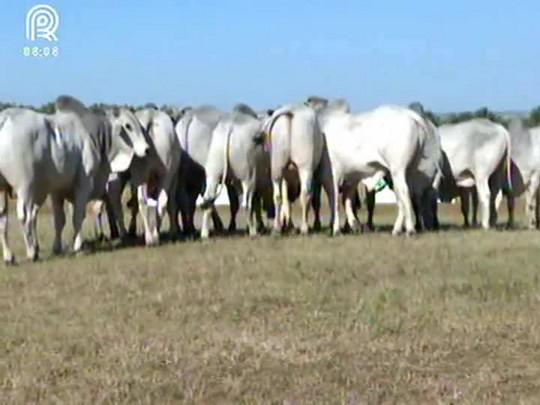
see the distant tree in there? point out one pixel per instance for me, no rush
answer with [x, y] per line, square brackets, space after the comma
[3, 106]
[98, 107]
[458, 117]
[483, 112]
[534, 117]
[48, 108]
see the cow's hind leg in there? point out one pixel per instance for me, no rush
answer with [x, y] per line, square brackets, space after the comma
[207, 206]
[285, 206]
[484, 197]
[133, 205]
[82, 196]
[113, 205]
[351, 205]
[257, 209]
[59, 218]
[464, 194]
[234, 206]
[537, 208]
[316, 205]
[150, 233]
[370, 206]
[417, 207]
[8, 255]
[474, 195]
[510, 203]
[187, 203]
[495, 199]
[531, 202]
[172, 210]
[97, 210]
[333, 198]
[248, 188]
[27, 212]
[276, 187]
[405, 211]
[188, 214]
[306, 180]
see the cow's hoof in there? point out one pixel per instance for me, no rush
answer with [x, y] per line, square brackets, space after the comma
[190, 236]
[151, 242]
[336, 233]
[10, 261]
[276, 232]
[355, 229]
[205, 235]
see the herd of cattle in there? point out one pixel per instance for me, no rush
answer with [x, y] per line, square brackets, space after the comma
[268, 158]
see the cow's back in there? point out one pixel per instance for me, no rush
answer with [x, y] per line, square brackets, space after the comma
[194, 131]
[472, 146]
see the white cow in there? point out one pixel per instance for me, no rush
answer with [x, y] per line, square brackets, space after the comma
[389, 140]
[236, 143]
[476, 153]
[423, 175]
[195, 130]
[296, 142]
[154, 177]
[525, 170]
[68, 155]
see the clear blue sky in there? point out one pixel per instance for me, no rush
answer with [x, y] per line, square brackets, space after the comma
[453, 55]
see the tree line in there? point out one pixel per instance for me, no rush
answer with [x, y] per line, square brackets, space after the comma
[532, 118]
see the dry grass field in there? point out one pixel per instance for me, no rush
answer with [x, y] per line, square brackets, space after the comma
[451, 317]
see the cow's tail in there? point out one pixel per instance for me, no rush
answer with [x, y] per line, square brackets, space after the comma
[277, 115]
[508, 162]
[439, 174]
[210, 200]
[430, 146]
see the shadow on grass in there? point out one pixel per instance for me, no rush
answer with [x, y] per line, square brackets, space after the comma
[97, 246]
